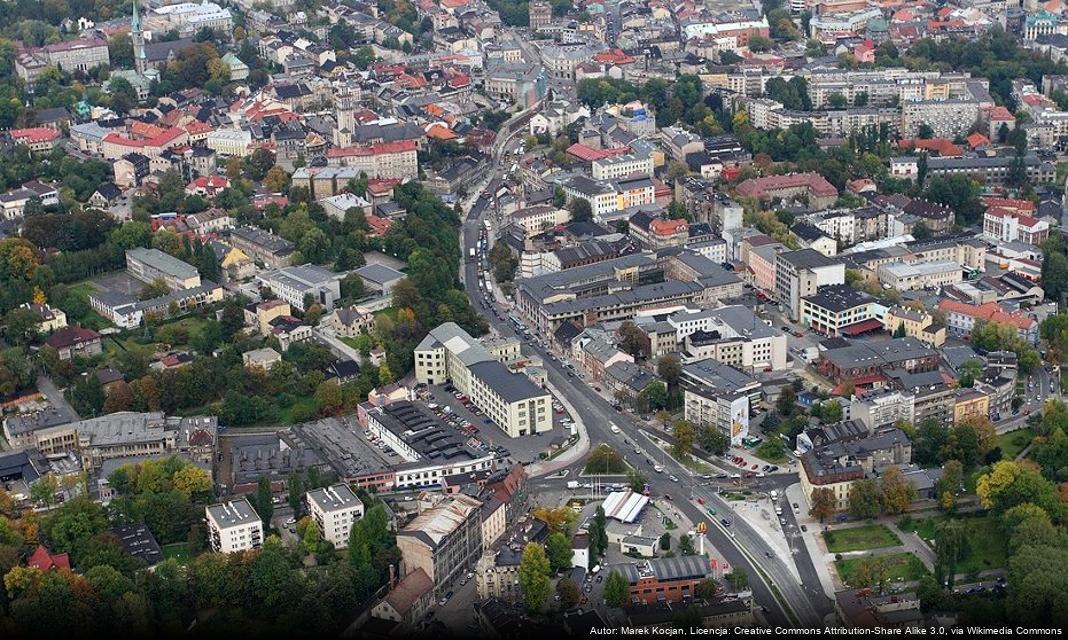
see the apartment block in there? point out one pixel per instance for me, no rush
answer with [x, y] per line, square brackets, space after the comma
[335, 509]
[801, 273]
[233, 526]
[444, 540]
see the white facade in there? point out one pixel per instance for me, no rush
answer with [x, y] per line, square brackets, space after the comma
[335, 509]
[233, 526]
[730, 415]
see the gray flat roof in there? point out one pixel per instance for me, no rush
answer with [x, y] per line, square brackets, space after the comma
[512, 387]
[334, 498]
[163, 262]
[233, 513]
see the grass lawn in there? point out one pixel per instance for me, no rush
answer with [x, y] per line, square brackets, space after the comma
[872, 536]
[769, 452]
[177, 550]
[1013, 442]
[900, 566]
[986, 544]
[90, 318]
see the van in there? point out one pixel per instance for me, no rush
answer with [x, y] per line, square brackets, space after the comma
[572, 484]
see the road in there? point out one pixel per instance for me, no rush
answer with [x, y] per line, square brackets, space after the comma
[807, 603]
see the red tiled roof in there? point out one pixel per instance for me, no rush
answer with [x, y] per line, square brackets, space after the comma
[43, 559]
[667, 227]
[977, 140]
[990, 311]
[70, 336]
[817, 184]
[1011, 204]
[941, 145]
[440, 132]
[381, 186]
[858, 328]
[589, 154]
[34, 134]
[399, 146]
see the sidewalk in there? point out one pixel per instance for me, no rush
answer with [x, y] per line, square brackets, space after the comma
[820, 558]
[914, 545]
[760, 514]
[575, 452]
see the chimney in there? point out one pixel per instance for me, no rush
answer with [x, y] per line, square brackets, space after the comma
[392, 576]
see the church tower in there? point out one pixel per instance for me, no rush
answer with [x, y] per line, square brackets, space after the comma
[138, 38]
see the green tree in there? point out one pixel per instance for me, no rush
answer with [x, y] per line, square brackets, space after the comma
[580, 209]
[824, 503]
[737, 578]
[569, 593]
[951, 544]
[264, 501]
[559, 550]
[864, 499]
[616, 590]
[684, 434]
[534, 577]
[897, 492]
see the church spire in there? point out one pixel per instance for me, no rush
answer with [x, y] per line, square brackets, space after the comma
[137, 36]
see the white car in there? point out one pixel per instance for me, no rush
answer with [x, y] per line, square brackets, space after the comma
[673, 478]
[658, 469]
[614, 429]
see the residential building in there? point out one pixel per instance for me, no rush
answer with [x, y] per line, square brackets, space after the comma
[49, 318]
[263, 246]
[720, 396]
[72, 342]
[961, 318]
[408, 601]
[262, 359]
[857, 362]
[296, 284]
[444, 540]
[970, 403]
[1013, 226]
[801, 273]
[233, 526]
[882, 408]
[385, 160]
[149, 265]
[917, 324]
[836, 456]
[335, 509]
[497, 573]
[511, 400]
[735, 336]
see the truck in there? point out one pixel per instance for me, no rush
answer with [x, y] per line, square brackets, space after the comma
[471, 253]
[573, 484]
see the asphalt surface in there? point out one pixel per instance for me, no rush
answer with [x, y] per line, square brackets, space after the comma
[807, 603]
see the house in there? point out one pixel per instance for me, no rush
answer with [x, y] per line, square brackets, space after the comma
[409, 601]
[349, 322]
[106, 195]
[48, 318]
[262, 359]
[138, 542]
[44, 560]
[71, 342]
[335, 509]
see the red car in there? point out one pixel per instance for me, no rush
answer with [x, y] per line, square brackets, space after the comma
[700, 501]
[755, 467]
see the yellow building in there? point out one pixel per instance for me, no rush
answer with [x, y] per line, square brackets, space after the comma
[918, 324]
[970, 403]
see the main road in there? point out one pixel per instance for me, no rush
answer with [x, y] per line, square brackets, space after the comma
[801, 602]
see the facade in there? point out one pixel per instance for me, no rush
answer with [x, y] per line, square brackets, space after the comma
[263, 246]
[444, 540]
[970, 403]
[1013, 226]
[664, 579]
[820, 193]
[233, 526]
[335, 509]
[148, 265]
[928, 275]
[497, 574]
[841, 310]
[511, 400]
[295, 284]
[882, 408]
[73, 55]
[737, 337]
[917, 324]
[801, 273]
[386, 160]
[72, 342]
[961, 318]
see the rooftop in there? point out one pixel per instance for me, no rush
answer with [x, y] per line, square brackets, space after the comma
[233, 513]
[336, 497]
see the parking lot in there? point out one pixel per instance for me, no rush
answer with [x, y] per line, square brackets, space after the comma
[482, 433]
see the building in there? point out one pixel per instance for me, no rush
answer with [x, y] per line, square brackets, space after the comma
[720, 396]
[335, 509]
[127, 311]
[970, 403]
[541, 15]
[262, 359]
[836, 456]
[1014, 226]
[733, 335]
[308, 282]
[385, 160]
[903, 276]
[49, 318]
[820, 193]
[663, 579]
[858, 361]
[233, 526]
[961, 318]
[75, 342]
[511, 400]
[263, 246]
[408, 602]
[444, 540]
[916, 324]
[149, 265]
[882, 408]
[801, 273]
[127, 434]
[839, 309]
[991, 170]
[72, 55]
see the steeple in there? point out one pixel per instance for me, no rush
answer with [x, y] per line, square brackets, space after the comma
[137, 36]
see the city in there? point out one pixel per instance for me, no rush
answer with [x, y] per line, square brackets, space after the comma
[497, 318]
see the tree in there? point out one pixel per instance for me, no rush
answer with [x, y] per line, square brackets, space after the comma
[925, 131]
[713, 440]
[665, 541]
[684, 434]
[632, 339]
[265, 501]
[580, 209]
[295, 489]
[949, 485]
[44, 489]
[686, 547]
[969, 371]
[951, 543]
[864, 499]
[598, 536]
[616, 590]
[786, 404]
[155, 289]
[1010, 484]
[559, 519]
[760, 44]
[897, 492]
[636, 480]
[569, 593]
[669, 368]
[707, 589]
[559, 550]
[534, 577]
[824, 503]
[737, 578]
